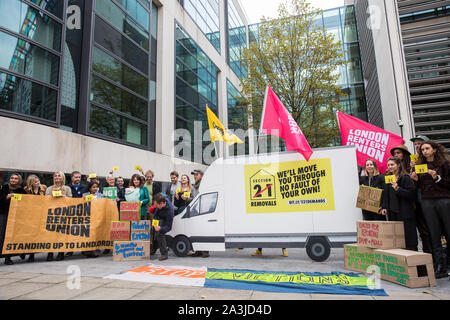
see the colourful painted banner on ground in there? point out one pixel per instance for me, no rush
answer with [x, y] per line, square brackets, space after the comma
[289, 186]
[271, 281]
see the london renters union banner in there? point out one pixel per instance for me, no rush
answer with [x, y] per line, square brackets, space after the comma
[48, 224]
[292, 186]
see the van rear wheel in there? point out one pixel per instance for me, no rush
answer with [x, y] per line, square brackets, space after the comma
[181, 246]
[318, 249]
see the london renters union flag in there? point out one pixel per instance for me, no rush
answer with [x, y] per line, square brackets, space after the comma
[371, 141]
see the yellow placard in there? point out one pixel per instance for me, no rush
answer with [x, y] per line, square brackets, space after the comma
[155, 223]
[17, 196]
[294, 186]
[57, 193]
[89, 197]
[422, 168]
[115, 169]
[187, 194]
[92, 176]
[414, 157]
[137, 168]
[390, 179]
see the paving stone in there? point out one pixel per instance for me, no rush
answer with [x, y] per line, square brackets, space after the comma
[319, 296]
[21, 275]
[17, 289]
[403, 295]
[222, 294]
[168, 293]
[260, 295]
[128, 284]
[59, 292]
[5, 281]
[108, 294]
[49, 278]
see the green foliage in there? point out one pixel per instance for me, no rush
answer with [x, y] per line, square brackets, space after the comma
[300, 61]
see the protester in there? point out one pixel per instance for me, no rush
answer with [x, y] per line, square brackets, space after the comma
[164, 214]
[13, 187]
[120, 191]
[398, 201]
[258, 252]
[422, 226]
[183, 195]
[174, 185]
[153, 188]
[372, 178]
[136, 192]
[34, 187]
[93, 188]
[59, 180]
[78, 189]
[401, 152]
[435, 196]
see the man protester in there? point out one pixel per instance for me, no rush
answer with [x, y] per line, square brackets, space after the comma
[198, 176]
[164, 213]
[174, 185]
[153, 188]
[77, 187]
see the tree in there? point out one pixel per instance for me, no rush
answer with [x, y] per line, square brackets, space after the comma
[300, 60]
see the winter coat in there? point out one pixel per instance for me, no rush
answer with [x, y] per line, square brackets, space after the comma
[165, 217]
[400, 207]
[78, 193]
[429, 188]
[378, 182]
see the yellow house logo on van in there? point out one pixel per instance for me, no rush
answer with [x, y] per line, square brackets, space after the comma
[289, 187]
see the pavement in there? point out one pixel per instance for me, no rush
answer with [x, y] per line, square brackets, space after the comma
[42, 280]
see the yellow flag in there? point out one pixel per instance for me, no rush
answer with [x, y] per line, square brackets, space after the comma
[218, 131]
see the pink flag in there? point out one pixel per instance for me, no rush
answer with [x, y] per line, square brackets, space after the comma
[371, 142]
[276, 120]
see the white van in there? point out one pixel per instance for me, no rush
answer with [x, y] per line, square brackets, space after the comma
[276, 200]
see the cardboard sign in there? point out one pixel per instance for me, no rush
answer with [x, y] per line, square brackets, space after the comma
[141, 225]
[130, 211]
[140, 236]
[390, 179]
[57, 193]
[17, 196]
[422, 168]
[110, 193]
[58, 225]
[137, 168]
[89, 197]
[155, 223]
[92, 176]
[115, 169]
[120, 231]
[369, 198]
[405, 267]
[414, 157]
[381, 234]
[131, 250]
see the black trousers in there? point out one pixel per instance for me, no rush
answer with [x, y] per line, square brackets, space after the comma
[423, 229]
[372, 216]
[162, 244]
[437, 216]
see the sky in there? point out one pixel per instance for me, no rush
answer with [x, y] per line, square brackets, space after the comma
[255, 9]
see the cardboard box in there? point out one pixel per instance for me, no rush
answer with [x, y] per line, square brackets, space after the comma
[141, 225]
[130, 211]
[381, 234]
[131, 250]
[404, 267]
[120, 231]
[140, 236]
[369, 198]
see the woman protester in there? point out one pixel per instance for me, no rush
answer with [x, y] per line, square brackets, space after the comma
[401, 152]
[398, 201]
[372, 178]
[136, 192]
[434, 188]
[59, 181]
[92, 187]
[34, 187]
[6, 193]
[183, 194]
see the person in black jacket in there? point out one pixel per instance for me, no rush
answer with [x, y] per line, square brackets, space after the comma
[164, 213]
[78, 189]
[374, 179]
[398, 201]
[6, 193]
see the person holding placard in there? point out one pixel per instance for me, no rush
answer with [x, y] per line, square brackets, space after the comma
[372, 178]
[136, 192]
[164, 213]
[401, 152]
[6, 193]
[434, 188]
[174, 185]
[76, 186]
[183, 194]
[398, 202]
[153, 188]
[93, 188]
[58, 189]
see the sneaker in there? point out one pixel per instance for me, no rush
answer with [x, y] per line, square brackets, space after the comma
[8, 261]
[162, 258]
[285, 253]
[60, 256]
[50, 257]
[257, 253]
[31, 258]
[195, 254]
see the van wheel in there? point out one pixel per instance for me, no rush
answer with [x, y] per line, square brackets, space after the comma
[181, 246]
[318, 249]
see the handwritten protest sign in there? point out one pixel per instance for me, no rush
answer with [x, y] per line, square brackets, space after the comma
[130, 211]
[140, 236]
[131, 250]
[141, 225]
[120, 230]
[381, 234]
[110, 193]
[369, 198]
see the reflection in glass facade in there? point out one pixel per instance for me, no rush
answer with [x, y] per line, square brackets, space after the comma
[120, 82]
[29, 59]
[206, 15]
[237, 119]
[196, 87]
[237, 40]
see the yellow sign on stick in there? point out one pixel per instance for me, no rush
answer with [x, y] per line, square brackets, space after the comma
[414, 157]
[137, 168]
[92, 176]
[187, 194]
[390, 179]
[115, 169]
[422, 168]
[89, 198]
[57, 193]
[155, 223]
[17, 196]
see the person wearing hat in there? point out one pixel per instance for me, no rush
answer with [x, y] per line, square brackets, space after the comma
[418, 140]
[401, 152]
